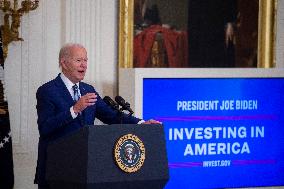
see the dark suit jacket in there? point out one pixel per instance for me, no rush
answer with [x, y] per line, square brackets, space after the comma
[55, 120]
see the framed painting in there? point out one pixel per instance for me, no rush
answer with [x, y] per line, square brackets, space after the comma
[194, 33]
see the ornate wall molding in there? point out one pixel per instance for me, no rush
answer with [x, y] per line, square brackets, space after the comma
[83, 26]
[93, 24]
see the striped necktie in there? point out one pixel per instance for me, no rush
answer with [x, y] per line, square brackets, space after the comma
[76, 92]
[76, 98]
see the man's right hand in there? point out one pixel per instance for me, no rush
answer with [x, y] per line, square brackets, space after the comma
[88, 99]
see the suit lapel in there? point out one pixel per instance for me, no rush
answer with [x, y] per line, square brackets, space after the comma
[82, 89]
[63, 90]
[83, 92]
[86, 112]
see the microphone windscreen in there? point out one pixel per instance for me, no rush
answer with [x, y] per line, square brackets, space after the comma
[120, 100]
[110, 102]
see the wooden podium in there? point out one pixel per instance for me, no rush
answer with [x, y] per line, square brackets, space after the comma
[86, 159]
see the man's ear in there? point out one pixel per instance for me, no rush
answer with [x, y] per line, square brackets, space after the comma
[62, 63]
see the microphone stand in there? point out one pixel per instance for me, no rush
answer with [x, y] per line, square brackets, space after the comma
[115, 106]
[120, 111]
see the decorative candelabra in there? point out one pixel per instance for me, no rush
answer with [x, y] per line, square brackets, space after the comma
[10, 31]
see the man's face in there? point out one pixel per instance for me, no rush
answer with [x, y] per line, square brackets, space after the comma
[74, 67]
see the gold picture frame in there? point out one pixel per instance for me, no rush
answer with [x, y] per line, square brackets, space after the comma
[266, 33]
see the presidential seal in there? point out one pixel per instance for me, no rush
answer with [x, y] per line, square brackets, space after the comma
[129, 153]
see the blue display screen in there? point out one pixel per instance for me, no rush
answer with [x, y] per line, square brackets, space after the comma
[220, 132]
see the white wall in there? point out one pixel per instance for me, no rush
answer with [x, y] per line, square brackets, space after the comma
[34, 61]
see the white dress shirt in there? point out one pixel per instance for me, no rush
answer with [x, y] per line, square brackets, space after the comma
[69, 84]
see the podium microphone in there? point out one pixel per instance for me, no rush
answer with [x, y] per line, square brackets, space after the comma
[125, 105]
[111, 103]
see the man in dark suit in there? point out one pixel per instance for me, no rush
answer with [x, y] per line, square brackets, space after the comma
[66, 104]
